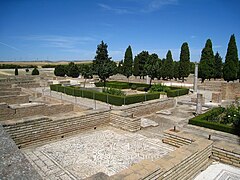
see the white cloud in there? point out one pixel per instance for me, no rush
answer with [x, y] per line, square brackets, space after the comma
[64, 42]
[157, 4]
[115, 10]
[9, 46]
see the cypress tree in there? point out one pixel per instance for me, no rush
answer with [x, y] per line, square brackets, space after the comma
[120, 67]
[136, 66]
[184, 63]
[206, 62]
[176, 71]
[159, 69]
[141, 60]
[217, 66]
[231, 66]
[16, 71]
[168, 66]
[128, 62]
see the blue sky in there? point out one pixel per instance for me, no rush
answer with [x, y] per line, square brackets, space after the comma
[71, 29]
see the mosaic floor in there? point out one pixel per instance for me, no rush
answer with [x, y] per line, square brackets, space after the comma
[219, 171]
[83, 155]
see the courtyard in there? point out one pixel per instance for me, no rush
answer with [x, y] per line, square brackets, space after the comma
[107, 150]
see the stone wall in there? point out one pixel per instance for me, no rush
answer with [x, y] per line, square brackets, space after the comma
[149, 107]
[124, 121]
[8, 112]
[11, 99]
[7, 93]
[226, 153]
[13, 163]
[29, 131]
[230, 91]
[183, 163]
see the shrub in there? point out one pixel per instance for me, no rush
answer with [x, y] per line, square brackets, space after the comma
[113, 91]
[60, 70]
[159, 88]
[177, 92]
[35, 71]
[16, 71]
[133, 87]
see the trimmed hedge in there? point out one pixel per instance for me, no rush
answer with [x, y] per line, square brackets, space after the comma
[108, 98]
[177, 92]
[202, 120]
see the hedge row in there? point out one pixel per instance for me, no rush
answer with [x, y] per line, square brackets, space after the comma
[120, 85]
[177, 92]
[108, 98]
[173, 92]
[202, 120]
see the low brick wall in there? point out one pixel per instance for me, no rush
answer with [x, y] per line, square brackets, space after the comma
[7, 93]
[11, 99]
[29, 131]
[226, 153]
[230, 90]
[32, 109]
[183, 163]
[149, 107]
[124, 121]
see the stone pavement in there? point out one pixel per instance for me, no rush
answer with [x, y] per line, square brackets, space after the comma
[106, 150]
[219, 171]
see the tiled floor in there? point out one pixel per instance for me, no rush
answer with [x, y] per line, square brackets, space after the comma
[106, 150]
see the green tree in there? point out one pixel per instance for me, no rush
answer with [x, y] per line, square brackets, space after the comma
[167, 69]
[16, 71]
[151, 66]
[217, 66]
[143, 56]
[35, 71]
[128, 62]
[230, 68]
[103, 66]
[86, 72]
[159, 69]
[60, 70]
[239, 71]
[136, 66]
[184, 63]
[206, 62]
[72, 70]
[120, 67]
[176, 68]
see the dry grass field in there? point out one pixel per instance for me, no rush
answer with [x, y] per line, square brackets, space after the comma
[41, 63]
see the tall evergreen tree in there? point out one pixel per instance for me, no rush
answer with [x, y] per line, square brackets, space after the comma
[184, 63]
[136, 66]
[16, 71]
[230, 68]
[139, 64]
[176, 71]
[167, 70]
[103, 66]
[159, 69]
[206, 62]
[128, 62]
[217, 66]
[120, 67]
[151, 66]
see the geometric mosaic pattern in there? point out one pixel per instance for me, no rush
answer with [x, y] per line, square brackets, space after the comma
[227, 175]
[83, 155]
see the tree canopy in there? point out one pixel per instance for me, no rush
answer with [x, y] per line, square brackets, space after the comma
[60, 70]
[152, 66]
[167, 69]
[184, 63]
[102, 65]
[128, 62]
[231, 66]
[217, 66]
[35, 71]
[206, 62]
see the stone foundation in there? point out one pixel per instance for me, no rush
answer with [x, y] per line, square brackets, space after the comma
[14, 99]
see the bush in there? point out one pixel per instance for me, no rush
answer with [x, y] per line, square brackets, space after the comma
[177, 92]
[16, 71]
[211, 120]
[113, 91]
[35, 71]
[159, 88]
[60, 71]
[133, 87]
